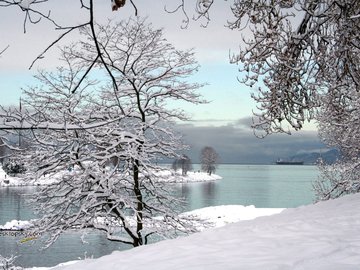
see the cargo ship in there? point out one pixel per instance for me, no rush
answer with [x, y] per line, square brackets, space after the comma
[284, 162]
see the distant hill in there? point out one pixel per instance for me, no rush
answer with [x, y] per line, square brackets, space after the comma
[329, 157]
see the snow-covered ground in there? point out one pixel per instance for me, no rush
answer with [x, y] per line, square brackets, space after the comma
[16, 225]
[168, 176]
[6, 180]
[171, 177]
[218, 216]
[10, 181]
[324, 236]
[214, 216]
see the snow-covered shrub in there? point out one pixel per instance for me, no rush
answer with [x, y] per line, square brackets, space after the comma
[13, 167]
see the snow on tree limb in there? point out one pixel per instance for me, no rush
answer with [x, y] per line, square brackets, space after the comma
[296, 64]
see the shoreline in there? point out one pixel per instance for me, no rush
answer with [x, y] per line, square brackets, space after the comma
[165, 176]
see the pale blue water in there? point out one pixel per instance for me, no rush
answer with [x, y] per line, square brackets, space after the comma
[268, 186]
[260, 185]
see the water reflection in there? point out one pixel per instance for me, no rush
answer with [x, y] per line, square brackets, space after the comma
[13, 204]
[209, 192]
[69, 247]
[185, 190]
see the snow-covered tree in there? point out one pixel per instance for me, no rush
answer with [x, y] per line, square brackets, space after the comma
[184, 163]
[103, 141]
[2, 151]
[303, 58]
[13, 167]
[339, 124]
[209, 159]
[297, 52]
[293, 52]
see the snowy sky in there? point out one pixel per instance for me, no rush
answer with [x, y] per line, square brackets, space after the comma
[230, 103]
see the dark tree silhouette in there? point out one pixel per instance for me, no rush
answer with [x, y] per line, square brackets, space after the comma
[184, 163]
[209, 159]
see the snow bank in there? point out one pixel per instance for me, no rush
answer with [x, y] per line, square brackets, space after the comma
[6, 180]
[324, 236]
[218, 216]
[47, 268]
[175, 177]
[16, 225]
[214, 216]
[168, 176]
[11, 181]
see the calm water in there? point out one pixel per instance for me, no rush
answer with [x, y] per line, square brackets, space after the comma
[259, 185]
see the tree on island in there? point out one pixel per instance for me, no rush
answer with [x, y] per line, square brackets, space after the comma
[2, 151]
[184, 163]
[209, 159]
[14, 167]
[76, 135]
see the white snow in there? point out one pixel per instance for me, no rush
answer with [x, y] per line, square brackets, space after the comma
[213, 216]
[16, 225]
[218, 216]
[9, 181]
[6, 180]
[324, 236]
[47, 268]
[165, 175]
[176, 177]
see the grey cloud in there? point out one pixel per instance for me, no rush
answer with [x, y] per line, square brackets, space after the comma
[237, 144]
[245, 122]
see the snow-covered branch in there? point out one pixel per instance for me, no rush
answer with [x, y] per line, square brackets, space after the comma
[297, 52]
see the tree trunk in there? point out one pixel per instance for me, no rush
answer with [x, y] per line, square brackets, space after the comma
[139, 206]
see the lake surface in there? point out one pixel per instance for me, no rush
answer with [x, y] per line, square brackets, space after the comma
[265, 186]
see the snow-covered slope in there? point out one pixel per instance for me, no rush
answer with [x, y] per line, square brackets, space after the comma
[324, 236]
[217, 216]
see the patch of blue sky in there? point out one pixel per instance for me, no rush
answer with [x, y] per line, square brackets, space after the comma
[228, 99]
[11, 85]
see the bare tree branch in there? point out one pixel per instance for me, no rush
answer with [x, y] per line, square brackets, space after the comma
[1, 52]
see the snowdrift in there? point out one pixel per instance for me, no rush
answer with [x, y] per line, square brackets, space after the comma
[324, 236]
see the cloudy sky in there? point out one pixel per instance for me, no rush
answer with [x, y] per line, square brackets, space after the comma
[224, 123]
